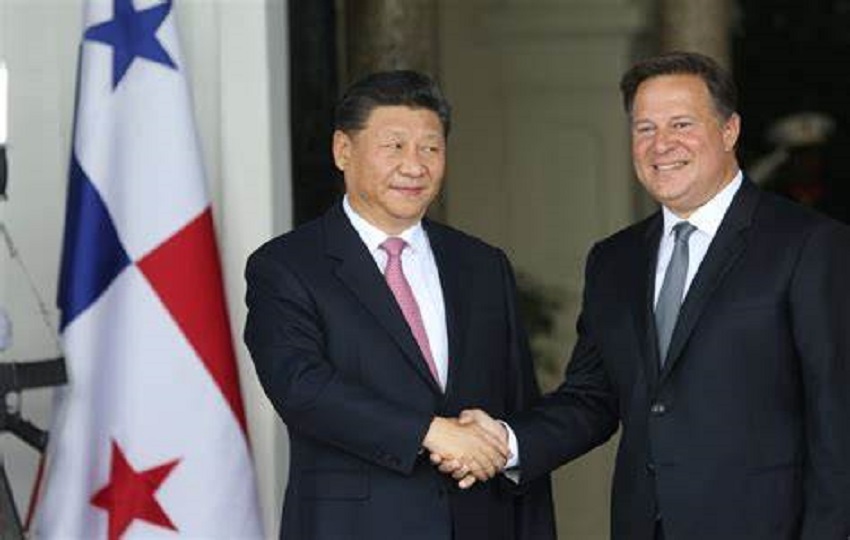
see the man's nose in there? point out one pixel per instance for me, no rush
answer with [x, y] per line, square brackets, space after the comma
[662, 141]
[411, 163]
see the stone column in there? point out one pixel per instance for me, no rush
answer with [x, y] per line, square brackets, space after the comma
[390, 34]
[316, 183]
[697, 25]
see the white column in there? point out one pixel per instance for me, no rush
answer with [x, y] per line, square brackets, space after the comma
[697, 25]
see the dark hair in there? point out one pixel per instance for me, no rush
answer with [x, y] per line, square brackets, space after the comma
[388, 88]
[720, 84]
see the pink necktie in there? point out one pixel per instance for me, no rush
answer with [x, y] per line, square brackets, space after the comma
[406, 301]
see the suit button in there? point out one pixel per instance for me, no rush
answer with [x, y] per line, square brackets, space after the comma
[650, 469]
[658, 409]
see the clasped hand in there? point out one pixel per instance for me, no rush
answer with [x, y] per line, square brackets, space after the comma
[473, 447]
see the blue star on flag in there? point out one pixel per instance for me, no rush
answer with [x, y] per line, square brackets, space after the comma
[132, 34]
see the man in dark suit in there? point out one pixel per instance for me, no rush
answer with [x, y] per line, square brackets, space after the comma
[372, 327]
[741, 430]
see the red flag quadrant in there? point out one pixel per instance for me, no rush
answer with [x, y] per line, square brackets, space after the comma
[186, 274]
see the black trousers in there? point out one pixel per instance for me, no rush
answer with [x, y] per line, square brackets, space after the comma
[659, 530]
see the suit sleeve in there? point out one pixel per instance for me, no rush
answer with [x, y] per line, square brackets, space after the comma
[284, 334]
[534, 510]
[579, 415]
[820, 307]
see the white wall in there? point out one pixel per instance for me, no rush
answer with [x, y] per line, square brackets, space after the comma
[238, 66]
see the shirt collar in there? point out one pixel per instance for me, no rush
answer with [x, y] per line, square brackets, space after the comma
[373, 237]
[707, 217]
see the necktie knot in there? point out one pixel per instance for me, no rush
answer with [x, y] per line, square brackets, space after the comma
[393, 246]
[683, 230]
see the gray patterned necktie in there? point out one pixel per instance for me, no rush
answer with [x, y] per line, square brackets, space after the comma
[672, 289]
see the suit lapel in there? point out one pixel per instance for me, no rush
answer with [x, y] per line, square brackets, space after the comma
[645, 299]
[455, 282]
[727, 246]
[356, 270]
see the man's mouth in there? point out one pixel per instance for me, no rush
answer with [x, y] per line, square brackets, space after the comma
[664, 167]
[411, 190]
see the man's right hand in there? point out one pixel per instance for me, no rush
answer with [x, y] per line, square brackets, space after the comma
[495, 432]
[470, 448]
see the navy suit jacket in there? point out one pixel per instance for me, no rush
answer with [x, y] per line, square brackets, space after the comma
[745, 433]
[338, 361]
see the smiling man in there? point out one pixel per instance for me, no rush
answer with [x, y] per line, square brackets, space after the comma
[714, 334]
[682, 142]
[372, 327]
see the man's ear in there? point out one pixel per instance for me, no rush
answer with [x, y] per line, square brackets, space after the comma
[341, 149]
[731, 131]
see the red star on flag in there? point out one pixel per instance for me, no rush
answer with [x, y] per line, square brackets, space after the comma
[129, 494]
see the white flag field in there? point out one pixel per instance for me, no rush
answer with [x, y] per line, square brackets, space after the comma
[149, 437]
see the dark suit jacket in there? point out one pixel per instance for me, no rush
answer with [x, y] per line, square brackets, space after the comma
[745, 434]
[338, 361]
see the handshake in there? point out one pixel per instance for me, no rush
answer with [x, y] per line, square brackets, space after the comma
[470, 448]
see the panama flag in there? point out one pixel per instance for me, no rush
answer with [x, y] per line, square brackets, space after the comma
[149, 436]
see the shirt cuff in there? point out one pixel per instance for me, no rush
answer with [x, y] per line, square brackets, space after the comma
[513, 446]
[511, 471]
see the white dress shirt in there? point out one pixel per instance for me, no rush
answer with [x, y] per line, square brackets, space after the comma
[706, 219]
[420, 269]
